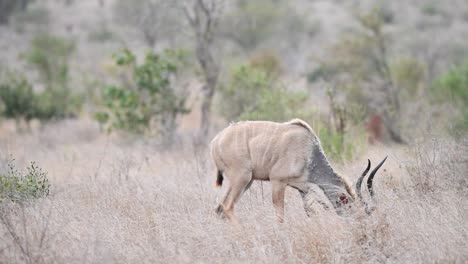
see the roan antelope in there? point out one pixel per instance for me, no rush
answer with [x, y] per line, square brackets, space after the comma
[286, 154]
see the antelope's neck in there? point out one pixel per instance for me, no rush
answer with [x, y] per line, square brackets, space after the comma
[320, 172]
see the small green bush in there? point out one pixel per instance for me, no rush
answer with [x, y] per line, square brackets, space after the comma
[17, 99]
[149, 100]
[252, 93]
[267, 61]
[338, 146]
[241, 92]
[278, 105]
[49, 56]
[453, 87]
[408, 75]
[21, 186]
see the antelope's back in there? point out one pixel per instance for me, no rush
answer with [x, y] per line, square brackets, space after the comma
[263, 146]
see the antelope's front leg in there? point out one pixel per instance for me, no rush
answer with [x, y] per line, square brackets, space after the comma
[278, 189]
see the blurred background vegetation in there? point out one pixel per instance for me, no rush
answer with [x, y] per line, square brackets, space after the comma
[360, 72]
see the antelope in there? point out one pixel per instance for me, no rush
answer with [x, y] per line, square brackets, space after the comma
[286, 154]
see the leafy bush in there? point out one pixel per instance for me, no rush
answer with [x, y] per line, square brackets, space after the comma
[342, 132]
[149, 99]
[21, 186]
[362, 63]
[242, 91]
[251, 93]
[49, 55]
[278, 105]
[19, 101]
[17, 98]
[453, 87]
[268, 61]
[338, 146]
[407, 74]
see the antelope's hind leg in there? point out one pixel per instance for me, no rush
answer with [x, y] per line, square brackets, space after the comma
[220, 208]
[238, 185]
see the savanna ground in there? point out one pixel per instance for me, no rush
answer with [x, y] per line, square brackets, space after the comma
[118, 202]
[117, 133]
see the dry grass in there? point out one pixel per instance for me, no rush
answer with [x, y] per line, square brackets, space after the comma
[126, 202]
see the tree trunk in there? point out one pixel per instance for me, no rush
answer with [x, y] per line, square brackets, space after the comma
[210, 72]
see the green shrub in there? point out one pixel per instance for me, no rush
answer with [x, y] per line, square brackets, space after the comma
[453, 87]
[336, 145]
[149, 99]
[58, 104]
[268, 61]
[253, 94]
[242, 91]
[278, 105]
[408, 75]
[49, 56]
[17, 99]
[341, 133]
[21, 186]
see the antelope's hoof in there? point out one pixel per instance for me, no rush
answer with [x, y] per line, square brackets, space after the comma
[220, 212]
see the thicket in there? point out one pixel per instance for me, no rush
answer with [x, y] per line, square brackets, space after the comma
[48, 56]
[17, 99]
[452, 87]
[253, 91]
[363, 66]
[146, 100]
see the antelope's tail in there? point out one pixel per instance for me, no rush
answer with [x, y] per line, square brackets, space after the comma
[219, 179]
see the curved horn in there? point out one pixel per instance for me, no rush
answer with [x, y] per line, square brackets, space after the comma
[371, 176]
[359, 181]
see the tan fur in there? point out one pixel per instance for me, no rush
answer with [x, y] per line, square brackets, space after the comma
[281, 153]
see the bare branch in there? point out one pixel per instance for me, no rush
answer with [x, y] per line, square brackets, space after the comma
[192, 19]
